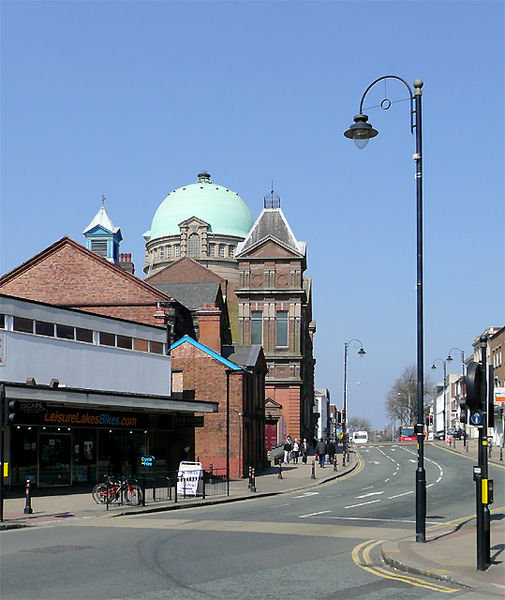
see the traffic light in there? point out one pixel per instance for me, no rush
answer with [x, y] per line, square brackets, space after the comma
[12, 407]
[431, 420]
[463, 418]
[473, 381]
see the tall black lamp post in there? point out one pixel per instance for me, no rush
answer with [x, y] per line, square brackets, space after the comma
[345, 429]
[361, 131]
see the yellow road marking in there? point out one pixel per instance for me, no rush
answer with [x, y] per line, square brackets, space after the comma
[365, 563]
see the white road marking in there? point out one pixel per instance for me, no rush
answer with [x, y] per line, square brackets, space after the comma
[307, 494]
[386, 480]
[374, 462]
[370, 494]
[314, 514]
[361, 504]
[398, 495]
[412, 460]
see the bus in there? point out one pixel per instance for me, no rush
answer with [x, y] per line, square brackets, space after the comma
[406, 434]
[360, 437]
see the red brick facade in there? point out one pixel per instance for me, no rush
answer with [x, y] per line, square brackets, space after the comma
[207, 376]
[67, 274]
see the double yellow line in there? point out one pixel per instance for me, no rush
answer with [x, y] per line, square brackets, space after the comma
[361, 557]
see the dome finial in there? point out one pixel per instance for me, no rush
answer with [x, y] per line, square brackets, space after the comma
[103, 201]
[204, 177]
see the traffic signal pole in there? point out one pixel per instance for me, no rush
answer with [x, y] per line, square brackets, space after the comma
[3, 424]
[482, 489]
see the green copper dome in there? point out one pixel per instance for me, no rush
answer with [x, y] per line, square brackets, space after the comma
[224, 210]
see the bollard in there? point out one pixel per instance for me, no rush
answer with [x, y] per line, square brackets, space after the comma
[143, 489]
[279, 474]
[334, 463]
[253, 484]
[203, 485]
[313, 474]
[501, 453]
[28, 497]
[249, 485]
[343, 457]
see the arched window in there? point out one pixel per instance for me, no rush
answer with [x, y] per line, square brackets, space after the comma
[194, 245]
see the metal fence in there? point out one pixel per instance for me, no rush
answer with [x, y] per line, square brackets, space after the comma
[169, 486]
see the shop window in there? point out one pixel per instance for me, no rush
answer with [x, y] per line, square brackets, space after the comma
[142, 345]
[22, 324]
[256, 327]
[44, 328]
[156, 347]
[281, 328]
[84, 335]
[65, 332]
[124, 341]
[107, 339]
[194, 245]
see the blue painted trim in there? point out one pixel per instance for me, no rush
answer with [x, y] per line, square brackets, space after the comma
[208, 351]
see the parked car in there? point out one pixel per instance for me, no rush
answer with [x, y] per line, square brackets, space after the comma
[457, 434]
[440, 435]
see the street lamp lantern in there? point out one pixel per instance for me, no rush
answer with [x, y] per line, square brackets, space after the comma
[361, 131]
[361, 352]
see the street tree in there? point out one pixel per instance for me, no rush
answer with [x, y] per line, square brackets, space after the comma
[359, 424]
[401, 400]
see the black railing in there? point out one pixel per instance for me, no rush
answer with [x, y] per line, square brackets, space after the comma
[170, 486]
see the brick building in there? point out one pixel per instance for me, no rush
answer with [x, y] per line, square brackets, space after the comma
[275, 310]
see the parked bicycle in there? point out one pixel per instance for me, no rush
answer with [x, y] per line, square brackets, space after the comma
[119, 490]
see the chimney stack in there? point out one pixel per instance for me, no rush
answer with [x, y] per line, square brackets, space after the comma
[125, 262]
[209, 326]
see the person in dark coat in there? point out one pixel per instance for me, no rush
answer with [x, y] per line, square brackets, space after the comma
[321, 451]
[184, 455]
[332, 452]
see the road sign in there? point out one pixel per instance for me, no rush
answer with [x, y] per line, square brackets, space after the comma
[476, 418]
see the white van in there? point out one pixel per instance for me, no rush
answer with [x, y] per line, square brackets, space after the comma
[360, 437]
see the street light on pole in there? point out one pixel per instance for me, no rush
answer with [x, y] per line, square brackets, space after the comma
[361, 131]
[434, 366]
[361, 353]
[450, 359]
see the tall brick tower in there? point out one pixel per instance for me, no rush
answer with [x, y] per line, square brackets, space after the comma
[275, 310]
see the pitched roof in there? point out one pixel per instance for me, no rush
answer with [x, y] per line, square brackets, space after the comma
[246, 356]
[183, 270]
[271, 223]
[102, 218]
[192, 295]
[67, 243]
[212, 353]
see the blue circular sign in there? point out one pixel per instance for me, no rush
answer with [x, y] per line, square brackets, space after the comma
[476, 418]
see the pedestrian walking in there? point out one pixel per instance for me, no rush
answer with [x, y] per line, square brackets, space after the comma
[305, 451]
[287, 450]
[321, 451]
[332, 452]
[296, 450]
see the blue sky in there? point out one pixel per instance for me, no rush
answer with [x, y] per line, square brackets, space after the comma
[132, 99]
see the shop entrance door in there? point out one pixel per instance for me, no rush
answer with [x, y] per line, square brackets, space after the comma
[54, 459]
[270, 434]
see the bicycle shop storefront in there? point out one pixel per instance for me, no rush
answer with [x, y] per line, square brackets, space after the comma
[58, 444]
